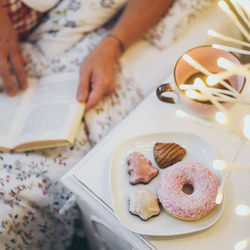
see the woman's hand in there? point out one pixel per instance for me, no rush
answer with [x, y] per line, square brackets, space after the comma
[97, 73]
[11, 54]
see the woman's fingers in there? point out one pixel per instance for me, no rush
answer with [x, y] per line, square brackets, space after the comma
[92, 86]
[99, 84]
[11, 57]
[95, 96]
[84, 85]
[98, 73]
[15, 59]
[6, 76]
[24, 58]
[111, 87]
[17, 64]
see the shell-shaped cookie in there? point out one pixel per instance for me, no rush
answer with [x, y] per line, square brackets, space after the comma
[167, 154]
[144, 204]
[140, 169]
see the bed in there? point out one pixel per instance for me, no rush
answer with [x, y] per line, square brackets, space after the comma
[37, 211]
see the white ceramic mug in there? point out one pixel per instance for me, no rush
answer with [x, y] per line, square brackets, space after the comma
[207, 56]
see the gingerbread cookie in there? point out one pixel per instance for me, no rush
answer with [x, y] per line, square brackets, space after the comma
[140, 169]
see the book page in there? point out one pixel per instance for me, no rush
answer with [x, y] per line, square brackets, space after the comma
[11, 109]
[52, 108]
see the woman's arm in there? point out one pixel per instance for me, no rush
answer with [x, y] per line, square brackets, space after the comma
[98, 69]
[10, 53]
[138, 17]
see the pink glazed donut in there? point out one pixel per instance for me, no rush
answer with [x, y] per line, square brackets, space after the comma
[188, 206]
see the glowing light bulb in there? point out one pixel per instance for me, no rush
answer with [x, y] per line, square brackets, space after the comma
[180, 113]
[220, 117]
[186, 58]
[191, 94]
[219, 198]
[198, 83]
[242, 210]
[246, 120]
[219, 164]
[241, 245]
[246, 130]
[182, 86]
[223, 63]
[211, 32]
[212, 80]
[223, 5]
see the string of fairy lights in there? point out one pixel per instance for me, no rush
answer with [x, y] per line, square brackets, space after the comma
[239, 12]
[202, 91]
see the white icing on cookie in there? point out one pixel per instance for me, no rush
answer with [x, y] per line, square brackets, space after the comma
[144, 204]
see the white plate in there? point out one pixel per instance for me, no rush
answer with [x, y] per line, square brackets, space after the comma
[163, 224]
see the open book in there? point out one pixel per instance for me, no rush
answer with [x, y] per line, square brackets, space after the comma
[46, 115]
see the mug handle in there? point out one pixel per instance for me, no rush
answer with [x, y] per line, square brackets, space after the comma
[165, 87]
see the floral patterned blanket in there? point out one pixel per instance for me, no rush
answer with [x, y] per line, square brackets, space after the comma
[37, 212]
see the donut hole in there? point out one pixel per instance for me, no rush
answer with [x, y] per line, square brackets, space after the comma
[188, 188]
